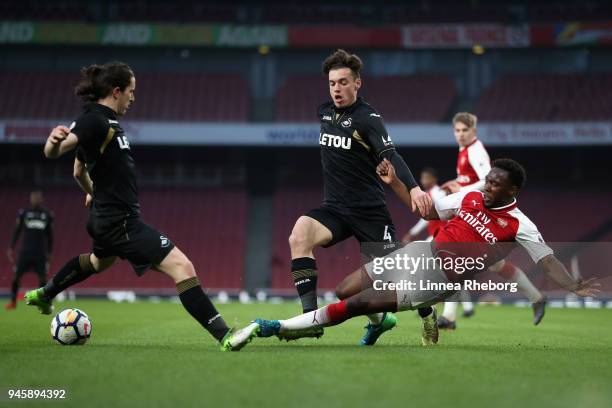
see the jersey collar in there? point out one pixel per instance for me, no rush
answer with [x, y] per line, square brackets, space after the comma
[505, 207]
[105, 110]
[471, 143]
[350, 108]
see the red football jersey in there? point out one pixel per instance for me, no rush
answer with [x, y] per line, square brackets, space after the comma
[489, 227]
[473, 164]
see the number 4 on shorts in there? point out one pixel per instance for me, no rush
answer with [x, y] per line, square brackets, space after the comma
[387, 235]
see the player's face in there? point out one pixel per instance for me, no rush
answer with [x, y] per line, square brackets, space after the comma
[498, 189]
[464, 134]
[343, 87]
[36, 198]
[428, 180]
[125, 98]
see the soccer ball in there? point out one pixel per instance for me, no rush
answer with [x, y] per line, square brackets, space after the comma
[71, 326]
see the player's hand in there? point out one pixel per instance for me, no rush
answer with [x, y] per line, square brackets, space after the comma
[58, 135]
[407, 238]
[451, 186]
[88, 200]
[587, 287]
[421, 201]
[9, 255]
[386, 172]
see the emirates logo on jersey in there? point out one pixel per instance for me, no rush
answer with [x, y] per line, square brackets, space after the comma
[502, 223]
[479, 223]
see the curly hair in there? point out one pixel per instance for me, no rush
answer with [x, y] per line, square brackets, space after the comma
[98, 81]
[342, 59]
[516, 172]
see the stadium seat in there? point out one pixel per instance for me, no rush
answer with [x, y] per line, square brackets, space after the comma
[416, 98]
[547, 98]
[168, 96]
[206, 224]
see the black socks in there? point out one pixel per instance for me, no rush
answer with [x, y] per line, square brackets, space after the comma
[76, 270]
[425, 311]
[304, 272]
[197, 303]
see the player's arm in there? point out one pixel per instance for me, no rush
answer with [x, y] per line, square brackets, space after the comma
[530, 238]
[81, 176]
[15, 237]
[376, 134]
[386, 172]
[60, 141]
[415, 231]
[555, 270]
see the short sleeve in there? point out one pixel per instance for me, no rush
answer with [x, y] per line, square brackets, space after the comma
[530, 238]
[91, 130]
[375, 134]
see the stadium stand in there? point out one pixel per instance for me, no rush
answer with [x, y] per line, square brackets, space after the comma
[415, 98]
[316, 12]
[169, 96]
[547, 98]
[206, 224]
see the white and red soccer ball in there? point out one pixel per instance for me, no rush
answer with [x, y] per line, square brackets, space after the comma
[71, 326]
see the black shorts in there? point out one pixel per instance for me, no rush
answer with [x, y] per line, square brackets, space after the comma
[371, 226]
[26, 263]
[128, 237]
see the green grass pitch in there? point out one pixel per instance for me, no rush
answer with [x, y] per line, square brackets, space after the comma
[154, 354]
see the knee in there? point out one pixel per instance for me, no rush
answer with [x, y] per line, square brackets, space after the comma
[299, 239]
[341, 291]
[185, 269]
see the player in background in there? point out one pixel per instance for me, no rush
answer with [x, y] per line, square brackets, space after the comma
[353, 140]
[429, 181]
[468, 212]
[36, 223]
[106, 171]
[473, 164]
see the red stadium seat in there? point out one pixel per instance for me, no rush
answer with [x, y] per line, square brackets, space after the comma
[415, 98]
[168, 96]
[207, 225]
[547, 98]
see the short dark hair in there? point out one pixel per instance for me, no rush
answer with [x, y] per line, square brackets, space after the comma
[431, 171]
[98, 81]
[342, 59]
[515, 171]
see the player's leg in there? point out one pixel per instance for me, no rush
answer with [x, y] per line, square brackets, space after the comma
[307, 324]
[354, 284]
[177, 266]
[449, 314]
[41, 268]
[466, 303]
[513, 273]
[18, 270]
[375, 230]
[311, 230]
[74, 271]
